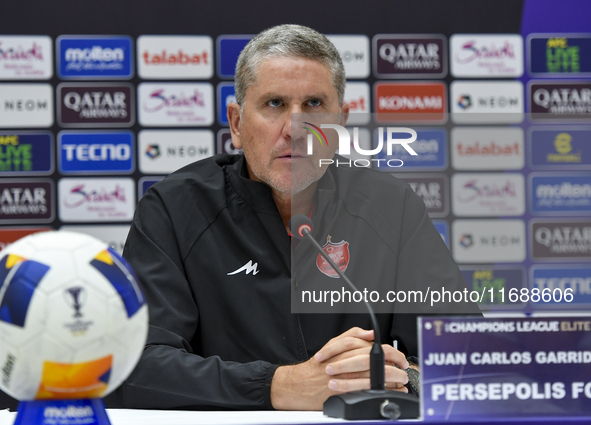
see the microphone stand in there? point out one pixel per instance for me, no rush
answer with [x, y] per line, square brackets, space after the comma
[378, 402]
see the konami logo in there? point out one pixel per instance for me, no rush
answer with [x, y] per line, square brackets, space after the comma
[411, 102]
[175, 57]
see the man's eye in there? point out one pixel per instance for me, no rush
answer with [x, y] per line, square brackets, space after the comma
[314, 102]
[274, 103]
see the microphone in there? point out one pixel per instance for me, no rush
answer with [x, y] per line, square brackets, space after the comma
[376, 403]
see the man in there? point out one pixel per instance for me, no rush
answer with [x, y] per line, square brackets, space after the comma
[211, 246]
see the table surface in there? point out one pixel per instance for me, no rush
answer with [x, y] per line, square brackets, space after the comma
[160, 417]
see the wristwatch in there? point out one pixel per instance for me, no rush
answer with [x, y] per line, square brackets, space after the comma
[413, 384]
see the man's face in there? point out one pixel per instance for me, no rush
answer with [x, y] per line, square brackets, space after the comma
[275, 153]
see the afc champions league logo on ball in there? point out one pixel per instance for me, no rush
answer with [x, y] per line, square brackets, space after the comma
[75, 298]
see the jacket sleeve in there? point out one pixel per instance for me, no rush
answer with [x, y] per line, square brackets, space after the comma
[170, 375]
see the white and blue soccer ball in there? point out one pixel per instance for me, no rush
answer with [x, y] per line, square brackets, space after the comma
[73, 319]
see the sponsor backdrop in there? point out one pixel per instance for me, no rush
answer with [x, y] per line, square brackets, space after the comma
[100, 101]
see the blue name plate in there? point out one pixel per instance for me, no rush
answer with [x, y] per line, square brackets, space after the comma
[474, 368]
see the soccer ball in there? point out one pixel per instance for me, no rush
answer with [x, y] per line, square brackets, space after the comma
[73, 319]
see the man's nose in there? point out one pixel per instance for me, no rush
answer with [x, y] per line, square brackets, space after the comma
[293, 126]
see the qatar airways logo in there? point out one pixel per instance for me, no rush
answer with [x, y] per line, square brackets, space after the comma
[345, 145]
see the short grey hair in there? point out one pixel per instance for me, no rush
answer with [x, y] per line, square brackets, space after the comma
[287, 41]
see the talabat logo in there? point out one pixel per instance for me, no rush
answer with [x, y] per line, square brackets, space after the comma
[488, 241]
[487, 148]
[316, 133]
[354, 51]
[492, 55]
[94, 57]
[26, 105]
[165, 151]
[85, 152]
[561, 239]
[26, 201]
[559, 55]
[492, 282]
[175, 104]
[565, 194]
[357, 96]
[430, 148]
[487, 102]
[175, 57]
[566, 148]
[25, 57]
[556, 280]
[411, 102]
[96, 105]
[96, 199]
[25, 153]
[410, 56]
[488, 194]
[564, 100]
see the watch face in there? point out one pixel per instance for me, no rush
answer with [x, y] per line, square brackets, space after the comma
[413, 380]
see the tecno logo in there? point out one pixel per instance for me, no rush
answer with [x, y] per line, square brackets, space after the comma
[97, 152]
[88, 152]
[175, 57]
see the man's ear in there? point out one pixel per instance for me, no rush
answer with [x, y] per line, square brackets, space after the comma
[234, 121]
[344, 113]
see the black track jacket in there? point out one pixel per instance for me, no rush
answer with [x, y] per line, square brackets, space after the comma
[216, 338]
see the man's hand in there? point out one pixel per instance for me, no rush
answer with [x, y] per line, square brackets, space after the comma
[342, 365]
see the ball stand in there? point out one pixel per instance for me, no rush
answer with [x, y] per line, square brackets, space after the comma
[84, 411]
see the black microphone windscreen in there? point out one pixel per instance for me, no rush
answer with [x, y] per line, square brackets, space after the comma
[298, 223]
